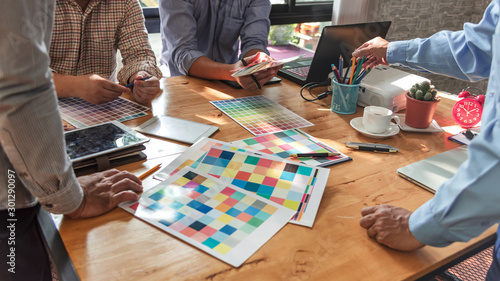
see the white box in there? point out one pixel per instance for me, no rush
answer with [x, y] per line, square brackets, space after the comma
[386, 86]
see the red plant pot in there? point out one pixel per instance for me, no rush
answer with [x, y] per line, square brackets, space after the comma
[419, 114]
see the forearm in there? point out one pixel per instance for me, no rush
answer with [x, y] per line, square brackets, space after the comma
[206, 68]
[66, 85]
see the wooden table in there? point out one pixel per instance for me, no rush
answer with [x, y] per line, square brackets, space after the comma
[118, 246]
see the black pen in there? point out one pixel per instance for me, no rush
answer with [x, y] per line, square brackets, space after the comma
[375, 147]
[315, 154]
[253, 77]
[131, 85]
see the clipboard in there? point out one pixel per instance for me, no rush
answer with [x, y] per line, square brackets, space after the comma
[176, 129]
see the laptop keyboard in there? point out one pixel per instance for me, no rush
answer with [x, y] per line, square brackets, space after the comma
[300, 71]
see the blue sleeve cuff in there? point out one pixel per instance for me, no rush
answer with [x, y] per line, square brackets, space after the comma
[188, 60]
[396, 52]
[426, 229]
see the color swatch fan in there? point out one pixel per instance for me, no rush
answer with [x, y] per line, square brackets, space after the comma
[222, 220]
[259, 115]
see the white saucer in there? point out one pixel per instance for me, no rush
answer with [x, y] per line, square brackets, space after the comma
[357, 124]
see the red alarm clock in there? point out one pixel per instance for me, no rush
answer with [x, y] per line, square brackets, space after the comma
[467, 111]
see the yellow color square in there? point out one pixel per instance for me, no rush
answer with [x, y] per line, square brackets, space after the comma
[284, 184]
[229, 173]
[182, 181]
[256, 178]
[222, 248]
[166, 201]
[274, 173]
[269, 209]
[220, 197]
[279, 142]
[276, 149]
[225, 218]
[239, 157]
[294, 205]
[248, 200]
[234, 165]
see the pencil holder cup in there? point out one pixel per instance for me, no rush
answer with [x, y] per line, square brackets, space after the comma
[344, 98]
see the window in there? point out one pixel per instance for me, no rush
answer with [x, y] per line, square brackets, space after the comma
[299, 11]
[282, 12]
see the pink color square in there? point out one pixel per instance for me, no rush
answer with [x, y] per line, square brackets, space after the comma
[230, 201]
[280, 201]
[209, 231]
[267, 151]
[265, 163]
[272, 137]
[228, 191]
[261, 139]
[191, 184]
[193, 194]
[177, 226]
[214, 152]
[270, 181]
[286, 147]
[244, 217]
[200, 237]
[244, 176]
[188, 231]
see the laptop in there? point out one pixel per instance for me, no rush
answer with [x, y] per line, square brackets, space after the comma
[334, 41]
[432, 172]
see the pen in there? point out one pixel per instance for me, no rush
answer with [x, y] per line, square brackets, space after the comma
[149, 172]
[372, 147]
[131, 85]
[315, 154]
[251, 75]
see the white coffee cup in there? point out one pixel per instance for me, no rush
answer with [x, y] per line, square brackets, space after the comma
[377, 119]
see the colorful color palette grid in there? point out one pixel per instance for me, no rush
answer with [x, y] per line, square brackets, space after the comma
[296, 186]
[282, 144]
[259, 115]
[81, 113]
[223, 220]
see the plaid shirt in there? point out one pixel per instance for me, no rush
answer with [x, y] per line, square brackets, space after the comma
[86, 42]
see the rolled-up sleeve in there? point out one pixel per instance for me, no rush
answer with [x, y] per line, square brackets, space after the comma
[255, 31]
[179, 35]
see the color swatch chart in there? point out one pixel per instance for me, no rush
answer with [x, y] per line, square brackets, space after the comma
[259, 115]
[81, 113]
[295, 186]
[224, 221]
[282, 144]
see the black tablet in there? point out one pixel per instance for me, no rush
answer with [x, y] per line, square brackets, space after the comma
[100, 139]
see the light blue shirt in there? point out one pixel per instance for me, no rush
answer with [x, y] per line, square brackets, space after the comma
[212, 28]
[469, 203]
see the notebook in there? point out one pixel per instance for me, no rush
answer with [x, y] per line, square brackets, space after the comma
[432, 172]
[334, 41]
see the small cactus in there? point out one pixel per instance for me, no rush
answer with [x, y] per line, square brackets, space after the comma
[423, 91]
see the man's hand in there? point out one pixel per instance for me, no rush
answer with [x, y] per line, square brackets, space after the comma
[105, 190]
[388, 225]
[92, 88]
[375, 50]
[262, 76]
[145, 91]
[96, 89]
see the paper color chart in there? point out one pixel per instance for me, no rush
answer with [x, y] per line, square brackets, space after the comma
[224, 221]
[282, 144]
[295, 186]
[259, 115]
[81, 113]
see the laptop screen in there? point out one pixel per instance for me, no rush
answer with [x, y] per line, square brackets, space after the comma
[341, 40]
